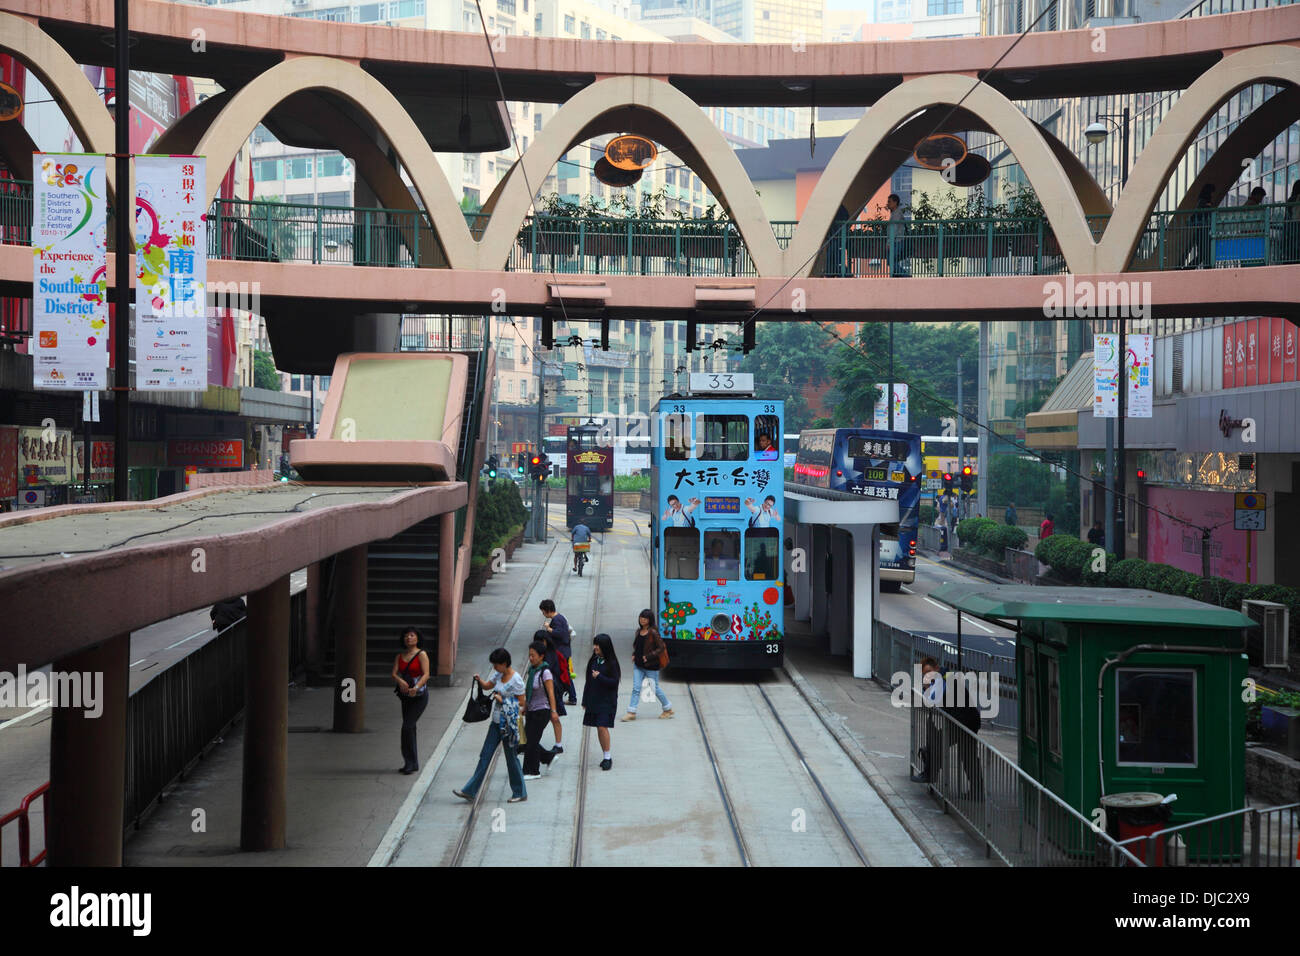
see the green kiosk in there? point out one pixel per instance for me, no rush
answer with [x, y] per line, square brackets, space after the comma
[1124, 691]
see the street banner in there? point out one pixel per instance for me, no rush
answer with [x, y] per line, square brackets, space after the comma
[70, 262]
[44, 456]
[171, 325]
[1105, 371]
[880, 421]
[1141, 384]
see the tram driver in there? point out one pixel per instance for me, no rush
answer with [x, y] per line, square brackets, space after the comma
[719, 565]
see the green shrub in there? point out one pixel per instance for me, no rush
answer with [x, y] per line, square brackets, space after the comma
[1008, 537]
[1122, 573]
[1101, 579]
[498, 514]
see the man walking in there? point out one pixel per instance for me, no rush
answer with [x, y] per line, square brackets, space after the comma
[562, 635]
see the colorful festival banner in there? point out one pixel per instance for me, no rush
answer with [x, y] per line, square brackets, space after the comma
[171, 325]
[880, 419]
[1141, 382]
[70, 284]
[1105, 372]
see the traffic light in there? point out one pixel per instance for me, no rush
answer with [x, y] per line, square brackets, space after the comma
[521, 462]
[947, 481]
[494, 462]
[967, 477]
[535, 468]
[548, 468]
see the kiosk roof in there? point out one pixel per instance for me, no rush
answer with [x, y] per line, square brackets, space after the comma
[1097, 605]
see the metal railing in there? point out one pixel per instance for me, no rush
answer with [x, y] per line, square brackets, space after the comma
[442, 333]
[1022, 566]
[898, 651]
[23, 818]
[1246, 837]
[992, 246]
[172, 720]
[1018, 820]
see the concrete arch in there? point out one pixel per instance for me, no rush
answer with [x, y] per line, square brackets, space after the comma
[240, 115]
[605, 105]
[1278, 64]
[859, 160]
[61, 75]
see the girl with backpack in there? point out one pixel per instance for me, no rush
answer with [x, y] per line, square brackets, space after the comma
[648, 649]
[559, 666]
[600, 693]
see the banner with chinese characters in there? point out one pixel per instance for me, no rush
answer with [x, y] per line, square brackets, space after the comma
[881, 418]
[70, 259]
[171, 326]
[1105, 372]
[1138, 365]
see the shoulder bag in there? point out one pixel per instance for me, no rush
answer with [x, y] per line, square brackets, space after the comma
[478, 707]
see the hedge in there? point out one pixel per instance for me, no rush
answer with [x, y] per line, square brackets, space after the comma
[499, 514]
[1072, 561]
[986, 536]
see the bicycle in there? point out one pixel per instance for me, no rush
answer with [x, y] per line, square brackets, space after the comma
[580, 549]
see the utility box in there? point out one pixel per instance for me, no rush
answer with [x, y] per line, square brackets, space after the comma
[1124, 690]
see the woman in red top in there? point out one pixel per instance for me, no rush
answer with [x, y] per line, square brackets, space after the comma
[1047, 527]
[411, 672]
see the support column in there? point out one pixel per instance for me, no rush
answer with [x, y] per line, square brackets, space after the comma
[315, 650]
[821, 547]
[448, 595]
[866, 584]
[350, 641]
[802, 580]
[266, 719]
[88, 758]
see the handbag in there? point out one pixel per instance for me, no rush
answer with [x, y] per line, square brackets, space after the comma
[478, 707]
[523, 737]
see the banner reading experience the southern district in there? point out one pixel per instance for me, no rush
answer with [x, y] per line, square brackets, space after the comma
[1138, 364]
[1137, 372]
[1105, 369]
[70, 283]
[171, 326]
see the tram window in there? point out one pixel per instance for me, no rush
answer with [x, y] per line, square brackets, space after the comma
[722, 555]
[682, 554]
[724, 437]
[767, 437]
[677, 437]
[762, 554]
[1155, 717]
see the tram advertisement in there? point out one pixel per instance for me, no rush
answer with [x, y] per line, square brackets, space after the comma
[722, 556]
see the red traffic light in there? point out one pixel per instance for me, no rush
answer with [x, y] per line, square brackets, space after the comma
[1141, 473]
[947, 477]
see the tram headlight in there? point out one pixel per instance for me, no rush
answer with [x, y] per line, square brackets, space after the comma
[721, 624]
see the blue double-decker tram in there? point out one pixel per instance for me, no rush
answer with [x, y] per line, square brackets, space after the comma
[717, 481]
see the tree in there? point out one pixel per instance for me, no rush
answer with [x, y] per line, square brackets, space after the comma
[264, 373]
[788, 361]
[925, 359]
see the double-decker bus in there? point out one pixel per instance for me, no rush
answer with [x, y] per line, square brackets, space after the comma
[589, 478]
[875, 464]
[718, 485]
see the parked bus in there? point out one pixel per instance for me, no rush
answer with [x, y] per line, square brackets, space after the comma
[878, 464]
[716, 571]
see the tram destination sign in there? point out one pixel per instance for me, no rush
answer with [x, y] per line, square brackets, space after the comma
[721, 383]
[721, 506]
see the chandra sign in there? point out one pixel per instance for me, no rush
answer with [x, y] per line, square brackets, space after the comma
[206, 453]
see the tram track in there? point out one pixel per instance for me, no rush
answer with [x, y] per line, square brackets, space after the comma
[726, 780]
[561, 591]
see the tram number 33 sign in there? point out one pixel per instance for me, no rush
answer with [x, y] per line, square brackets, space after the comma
[1250, 512]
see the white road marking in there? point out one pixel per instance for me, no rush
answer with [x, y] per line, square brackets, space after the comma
[903, 588]
[40, 707]
[183, 640]
[982, 627]
[941, 607]
[140, 661]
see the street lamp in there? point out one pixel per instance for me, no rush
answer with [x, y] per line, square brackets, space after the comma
[1095, 133]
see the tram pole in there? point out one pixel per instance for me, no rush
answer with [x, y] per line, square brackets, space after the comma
[539, 516]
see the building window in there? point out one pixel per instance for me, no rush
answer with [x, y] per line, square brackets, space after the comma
[569, 23]
[601, 34]
[537, 24]
[586, 30]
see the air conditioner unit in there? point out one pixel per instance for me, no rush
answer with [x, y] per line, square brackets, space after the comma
[1272, 645]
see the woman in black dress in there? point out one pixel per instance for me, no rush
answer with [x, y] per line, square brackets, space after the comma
[600, 693]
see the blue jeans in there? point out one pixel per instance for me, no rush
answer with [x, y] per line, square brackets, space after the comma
[638, 678]
[485, 757]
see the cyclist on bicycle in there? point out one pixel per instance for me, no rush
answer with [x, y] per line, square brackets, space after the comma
[580, 534]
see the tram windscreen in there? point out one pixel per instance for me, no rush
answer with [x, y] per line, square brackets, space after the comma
[682, 554]
[722, 555]
[762, 554]
[724, 437]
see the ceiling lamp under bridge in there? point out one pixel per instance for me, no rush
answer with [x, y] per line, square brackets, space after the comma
[940, 151]
[611, 175]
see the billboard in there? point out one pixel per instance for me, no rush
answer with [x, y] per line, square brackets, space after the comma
[206, 453]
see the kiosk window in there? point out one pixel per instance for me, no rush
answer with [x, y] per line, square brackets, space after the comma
[762, 554]
[724, 437]
[677, 437]
[1054, 706]
[1155, 717]
[722, 555]
[1031, 693]
[682, 554]
[767, 437]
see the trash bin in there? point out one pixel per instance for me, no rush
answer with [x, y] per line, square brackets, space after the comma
[1139, 814]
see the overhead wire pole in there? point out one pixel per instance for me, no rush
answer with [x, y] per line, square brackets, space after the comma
[125, 204]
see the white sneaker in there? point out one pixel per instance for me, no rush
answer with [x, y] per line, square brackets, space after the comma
[532, 776]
